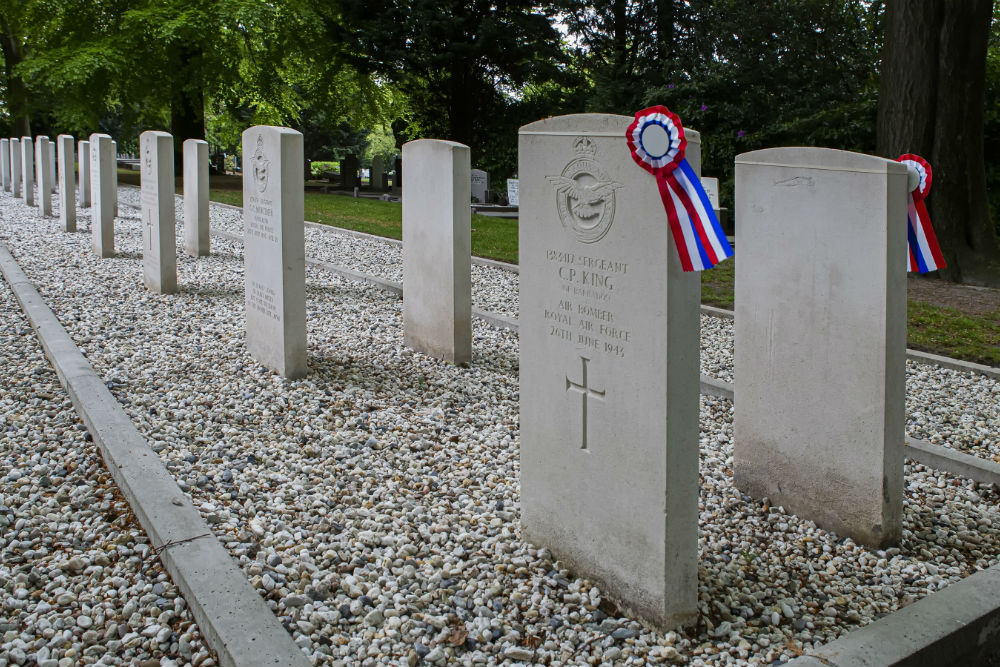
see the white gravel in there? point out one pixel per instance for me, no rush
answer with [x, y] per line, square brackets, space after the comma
[374, 503]
[78, 584]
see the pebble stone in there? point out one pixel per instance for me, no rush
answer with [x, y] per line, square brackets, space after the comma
[374, 504]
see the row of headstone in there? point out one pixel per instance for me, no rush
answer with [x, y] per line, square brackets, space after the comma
[609, 345]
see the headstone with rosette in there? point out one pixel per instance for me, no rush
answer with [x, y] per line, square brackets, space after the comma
[5, 163]
[83, 160]
[609, 345]
[15, 167]
[821, 337]
[43, 149]
[159, 245]
[67, 182]
[102, 195]
[28, 170]
[437, 250]
[274, 248]
[197, 232]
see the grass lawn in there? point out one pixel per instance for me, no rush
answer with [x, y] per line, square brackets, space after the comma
[934, 327]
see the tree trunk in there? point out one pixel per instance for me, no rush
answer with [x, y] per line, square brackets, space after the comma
[17, 94]
[931, 102]
[187, 104]
[665, 18]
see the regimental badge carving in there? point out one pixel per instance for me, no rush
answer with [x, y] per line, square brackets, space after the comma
[260, 165]
[148, 158]
[585, 195]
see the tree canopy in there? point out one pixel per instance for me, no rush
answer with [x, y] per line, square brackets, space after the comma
[363, 77]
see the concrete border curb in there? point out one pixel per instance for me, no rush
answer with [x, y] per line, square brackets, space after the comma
[959, 625]
[232, 616]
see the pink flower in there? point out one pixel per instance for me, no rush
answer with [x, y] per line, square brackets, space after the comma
[740, 133]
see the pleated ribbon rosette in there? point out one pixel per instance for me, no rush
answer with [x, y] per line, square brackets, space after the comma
[656, 140]
[924, 252]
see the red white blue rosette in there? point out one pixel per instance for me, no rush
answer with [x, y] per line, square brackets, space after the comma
[657, 143]
[924, 253]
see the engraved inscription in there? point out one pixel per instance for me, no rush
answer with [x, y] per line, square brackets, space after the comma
[585, 392]
[262, 298]
[258, 215]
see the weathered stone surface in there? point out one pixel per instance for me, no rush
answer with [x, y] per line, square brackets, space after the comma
[821, 336]
[437, 250]
[159, 245]
[43, 174]
[103, 184]
[83, 160]
[274, 254]
[609, 335]
[197, 242]
[67, 182]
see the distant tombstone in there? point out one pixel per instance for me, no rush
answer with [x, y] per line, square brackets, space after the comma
[114, 177]
[512, 192]
[52, 168]
[28, 170]
[609, 349]
[159, 226]
[397, 176]
[377, 178]
[43, 149]
[480, 182]
[821, 337]
[5, 163]
[711, 186]
[437, 250]
[197, 233]
[83, 159]
[274, 248]
[15, 167]
[102, 191]
[349, 172]
[67, 182]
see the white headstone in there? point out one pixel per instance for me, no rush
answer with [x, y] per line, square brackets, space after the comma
[83, 159]
[114, 176]
[480, 185]
[28, 170]
[377, 178]
[512, 192]
[5, 163]
[821, 337]
[197, 237]
[53, 182]
[437, 250]
[274, 248]
[15, 167]
[159, 245]
[609, 348]
[43, 151]
[711, 186]
[102, 195]
[67, 182]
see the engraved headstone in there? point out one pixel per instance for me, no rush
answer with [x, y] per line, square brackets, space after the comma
[274, 248]
[102, 191]
[512, 192]
[480, 185]
[83, 159]
[28, 170]
[437, 250]
[349, 172]
[609, 337]
[5, 163]
[376, 177]
[159, 245]
[43, 149]
[67, 182]
[197, 236]
[15, 167]
[711, 186]
[821, 337]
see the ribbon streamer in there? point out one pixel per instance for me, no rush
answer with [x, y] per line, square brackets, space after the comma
[657, 143]
[924, 253]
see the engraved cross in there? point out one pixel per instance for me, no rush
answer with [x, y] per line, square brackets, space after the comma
[585, 392]
[149, 228]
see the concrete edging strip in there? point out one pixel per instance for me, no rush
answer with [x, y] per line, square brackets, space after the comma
[959, 625]
[232, 616]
